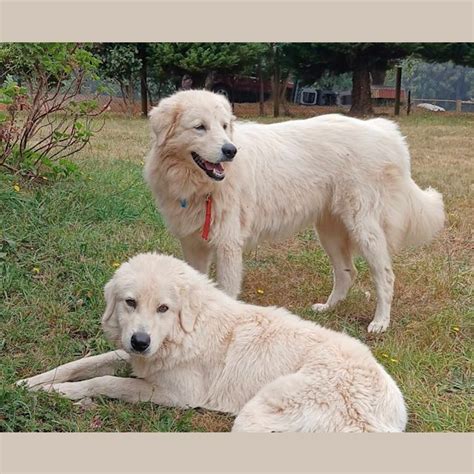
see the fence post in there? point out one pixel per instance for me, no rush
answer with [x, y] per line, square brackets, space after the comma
[142, 53]
[409, 102]
[398, 87]
[458, 105]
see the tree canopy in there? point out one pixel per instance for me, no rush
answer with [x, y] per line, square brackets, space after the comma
[459, 53]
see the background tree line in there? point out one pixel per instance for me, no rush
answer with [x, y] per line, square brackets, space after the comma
[52, 93]
[156, 69]
[159, 67]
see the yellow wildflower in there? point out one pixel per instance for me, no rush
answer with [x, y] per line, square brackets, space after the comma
[16, 188]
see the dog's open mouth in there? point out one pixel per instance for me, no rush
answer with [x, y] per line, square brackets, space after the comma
[213, 170]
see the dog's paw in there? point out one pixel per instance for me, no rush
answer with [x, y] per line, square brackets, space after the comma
[320, 307]
[22, 383]
[85, 403]
[28, 383]
[71, 390]
[33, 383]
[377, 327]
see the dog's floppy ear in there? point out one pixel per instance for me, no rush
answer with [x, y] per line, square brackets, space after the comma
[188, 311]
[109, 321]
[164, 118]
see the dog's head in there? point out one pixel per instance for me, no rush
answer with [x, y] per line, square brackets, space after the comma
[150, 299]
[196, 127]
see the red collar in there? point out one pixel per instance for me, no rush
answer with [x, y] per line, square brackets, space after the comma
[207, 221]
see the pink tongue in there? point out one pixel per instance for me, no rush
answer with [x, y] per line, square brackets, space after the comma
[214, 166]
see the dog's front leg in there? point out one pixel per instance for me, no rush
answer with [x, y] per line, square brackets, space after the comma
[127, 389]
[229, 268]
[197, 253]
[85, 368]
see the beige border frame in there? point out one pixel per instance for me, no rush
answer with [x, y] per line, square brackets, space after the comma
[232, 453]
[234, 20]
[230, 20]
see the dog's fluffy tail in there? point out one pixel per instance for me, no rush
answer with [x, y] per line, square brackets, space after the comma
[424, 213]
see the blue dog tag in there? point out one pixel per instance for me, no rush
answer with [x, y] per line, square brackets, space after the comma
[183, 202]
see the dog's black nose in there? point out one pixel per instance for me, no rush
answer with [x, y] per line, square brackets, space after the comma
[140, 341]
[229, 151]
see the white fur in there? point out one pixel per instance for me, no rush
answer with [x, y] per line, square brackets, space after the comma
[347, 177]
[274, 370]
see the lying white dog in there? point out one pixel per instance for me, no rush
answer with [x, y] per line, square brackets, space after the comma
[347, 177]
[191, 345]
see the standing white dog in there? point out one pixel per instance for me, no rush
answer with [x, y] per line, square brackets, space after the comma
[191, 345]
[222, 186]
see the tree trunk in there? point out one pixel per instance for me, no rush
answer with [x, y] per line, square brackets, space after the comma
[150, 98]
[276, 82]
[123, 90]
[283, 101]
[361, 97]
[143, 78]
[378, 77]
[261, 95]
[209, 81]
[131, 98]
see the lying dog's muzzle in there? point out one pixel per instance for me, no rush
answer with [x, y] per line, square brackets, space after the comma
[140, 341]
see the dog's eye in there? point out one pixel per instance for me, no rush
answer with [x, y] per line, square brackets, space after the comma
[225, 126]
[131, 302]
[162, 308]
[201, 128]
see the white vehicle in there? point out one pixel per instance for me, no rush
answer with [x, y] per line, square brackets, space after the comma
[433, 108]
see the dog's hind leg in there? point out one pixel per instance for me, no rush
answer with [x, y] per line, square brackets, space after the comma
[269, 411]
[294, 403]
[85, 368]
[335, 240]
[371, 241]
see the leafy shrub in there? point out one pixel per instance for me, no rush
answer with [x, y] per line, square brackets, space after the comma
[45, 118]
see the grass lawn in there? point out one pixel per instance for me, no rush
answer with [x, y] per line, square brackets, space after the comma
[61, 242]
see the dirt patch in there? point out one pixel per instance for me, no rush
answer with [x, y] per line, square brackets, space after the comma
[212, 421]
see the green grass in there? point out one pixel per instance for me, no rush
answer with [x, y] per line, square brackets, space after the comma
[60, 243]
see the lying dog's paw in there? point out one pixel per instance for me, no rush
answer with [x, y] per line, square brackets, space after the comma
[33, 383]
[26, 383]
[85, 403]
[71, 390]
